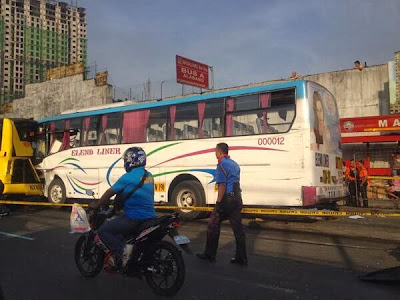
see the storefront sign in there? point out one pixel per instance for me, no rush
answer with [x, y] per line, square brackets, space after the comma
[370, 124]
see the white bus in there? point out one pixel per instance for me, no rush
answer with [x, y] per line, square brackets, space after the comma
[285, 137]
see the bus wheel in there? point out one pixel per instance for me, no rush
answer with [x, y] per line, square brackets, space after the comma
[189, 193]
[56, 192]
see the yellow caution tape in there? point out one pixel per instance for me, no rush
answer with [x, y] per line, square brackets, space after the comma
[38, 203]
[163, 207]
[385, 177]
[247, 210]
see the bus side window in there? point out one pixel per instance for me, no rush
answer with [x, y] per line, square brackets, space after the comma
[56, 136]
[260, 113]
[280, 119]
[110, 129]
[244, 123]
[90, 131]
[212, 119]
[75, 132]
[134, 126]
[183, 122]
[157, 126]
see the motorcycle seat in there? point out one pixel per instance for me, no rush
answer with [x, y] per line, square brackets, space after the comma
[151, 222]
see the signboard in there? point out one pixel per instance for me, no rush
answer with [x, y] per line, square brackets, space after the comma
[191, 72]
[64, 71]
[370, 124]
[101, 78]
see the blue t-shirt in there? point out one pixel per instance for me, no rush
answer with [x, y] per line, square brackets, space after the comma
[140, 205]
[228, 171]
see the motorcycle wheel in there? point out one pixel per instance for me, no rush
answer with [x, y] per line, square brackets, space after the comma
[165, 269]
[88, 257]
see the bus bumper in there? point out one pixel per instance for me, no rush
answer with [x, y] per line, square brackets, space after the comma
[32, 189]
[313, 195]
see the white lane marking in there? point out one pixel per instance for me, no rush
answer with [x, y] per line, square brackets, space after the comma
[16, 236]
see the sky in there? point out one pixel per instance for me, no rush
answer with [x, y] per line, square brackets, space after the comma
[244, 40]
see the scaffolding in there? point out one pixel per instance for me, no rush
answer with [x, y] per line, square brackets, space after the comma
[44, 49]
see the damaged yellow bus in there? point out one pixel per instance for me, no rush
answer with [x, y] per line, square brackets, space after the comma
[17, 173]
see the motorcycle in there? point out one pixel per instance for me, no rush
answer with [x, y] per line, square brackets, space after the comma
[158, 261]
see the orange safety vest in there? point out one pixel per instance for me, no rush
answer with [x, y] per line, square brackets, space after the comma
[363, 172]
[350, 173]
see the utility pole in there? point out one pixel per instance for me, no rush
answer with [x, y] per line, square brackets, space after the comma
[161, 89]
[212, 77]
[130, 93]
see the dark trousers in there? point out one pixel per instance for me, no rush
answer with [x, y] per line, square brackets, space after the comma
[214, 229]
[353, 192]
[363, 191]
[114, 233]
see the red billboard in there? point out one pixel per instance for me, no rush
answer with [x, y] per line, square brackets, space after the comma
[370, 124]
[191, 72]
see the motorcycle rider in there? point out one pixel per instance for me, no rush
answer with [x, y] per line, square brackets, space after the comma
[138, 207]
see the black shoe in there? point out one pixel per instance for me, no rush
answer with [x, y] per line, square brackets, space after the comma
[4, 211]
[240, 262]
[205, 257]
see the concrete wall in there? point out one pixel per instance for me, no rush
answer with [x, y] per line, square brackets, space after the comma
[358, 93]
[52, 97]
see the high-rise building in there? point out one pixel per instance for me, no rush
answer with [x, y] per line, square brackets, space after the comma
[36, 35]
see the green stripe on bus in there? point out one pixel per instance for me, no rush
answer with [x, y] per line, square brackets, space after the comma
[70, 158]
[171, 172]
[162, 148]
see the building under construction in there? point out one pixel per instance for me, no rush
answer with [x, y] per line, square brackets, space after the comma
[36, 35]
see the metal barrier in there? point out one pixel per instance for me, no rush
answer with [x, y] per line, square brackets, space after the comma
[246, 210]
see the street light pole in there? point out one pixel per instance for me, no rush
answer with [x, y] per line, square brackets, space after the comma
[161, 89]
[212, 77]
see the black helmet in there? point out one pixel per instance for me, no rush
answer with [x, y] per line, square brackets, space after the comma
[134, 157]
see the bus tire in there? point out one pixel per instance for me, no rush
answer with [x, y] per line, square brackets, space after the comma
[189, 193]
[56, 192]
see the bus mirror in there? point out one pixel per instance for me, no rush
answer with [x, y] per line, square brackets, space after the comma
[90, 193]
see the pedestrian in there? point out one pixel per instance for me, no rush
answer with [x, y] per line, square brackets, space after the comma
[393, 190]
[395, 164]
[358, 65]
[363, 183]
[345, 182]
[228, 207]
[351, 177]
